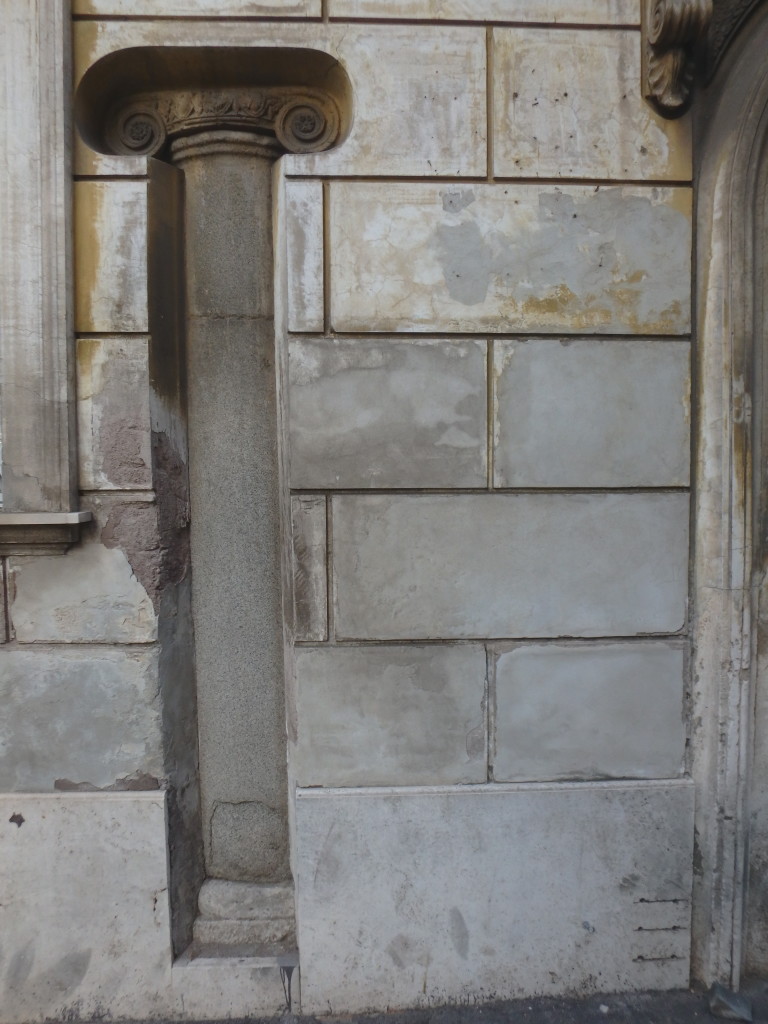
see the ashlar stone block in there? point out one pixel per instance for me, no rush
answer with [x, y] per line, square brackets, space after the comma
[409, 715]
[111, 256]
[88, 595]
[509, 565]
[310, 585]
[85, 922]
[419, 90]
[304, 240]
[417, 896]
[589, 12]
[567, 105]
[510, 258]
[387, 413]
[78, 717]
[588, 711]
[199, 8]
[114, 431]
[591, 413]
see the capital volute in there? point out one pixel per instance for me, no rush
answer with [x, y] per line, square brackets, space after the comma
[674, 40]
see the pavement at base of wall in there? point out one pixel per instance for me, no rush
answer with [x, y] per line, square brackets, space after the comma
[627, 1008]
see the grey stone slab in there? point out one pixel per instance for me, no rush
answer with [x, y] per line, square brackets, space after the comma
[510, 258]
[412, 897]
[79, 716]
[407, 715]
[387, 413]
[566, 105]
[566, 711]
[310, 585]
[517, 565]
[114, 431]
[591, 413]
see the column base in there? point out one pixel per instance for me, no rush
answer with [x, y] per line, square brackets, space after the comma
[244, 919]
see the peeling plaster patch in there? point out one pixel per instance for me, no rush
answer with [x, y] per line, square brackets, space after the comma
[75, 715]
[455, 200]
[89, 595]
[113, 413]
[520, 257]
[135, 782]
[387, 412]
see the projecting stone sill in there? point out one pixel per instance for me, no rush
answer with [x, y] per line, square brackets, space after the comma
[40, 533]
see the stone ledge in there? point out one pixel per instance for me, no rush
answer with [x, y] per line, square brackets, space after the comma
[40, 533]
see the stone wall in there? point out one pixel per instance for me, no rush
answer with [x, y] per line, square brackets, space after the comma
[484, 367]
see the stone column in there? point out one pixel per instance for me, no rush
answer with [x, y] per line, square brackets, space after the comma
[225, 138]
[235, 501]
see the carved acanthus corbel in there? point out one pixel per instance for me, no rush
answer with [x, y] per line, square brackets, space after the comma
[302, 121]
[674, 33]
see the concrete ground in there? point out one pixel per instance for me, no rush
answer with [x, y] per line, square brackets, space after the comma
[634, 1008]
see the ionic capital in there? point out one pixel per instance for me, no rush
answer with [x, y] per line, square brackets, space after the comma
[300, 120]
[143, 101]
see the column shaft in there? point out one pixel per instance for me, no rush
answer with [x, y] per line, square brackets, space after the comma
[235, 503]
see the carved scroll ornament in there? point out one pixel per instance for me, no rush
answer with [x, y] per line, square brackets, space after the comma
[302, 122]
[674, 32]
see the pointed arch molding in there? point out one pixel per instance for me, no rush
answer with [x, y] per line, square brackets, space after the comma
[732, 222]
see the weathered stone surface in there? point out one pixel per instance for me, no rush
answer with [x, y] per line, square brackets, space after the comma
[199, 8]
[113, 413]
[517, 565]
[370, 716]
[86, 917]
[589, 12]
[110, 249]
[245, 838]
[88, 595]
[220, 900]
[510, 258]
[419, 91]
[567, 104]
[78, 717]
[304, 239]
[590, 413]
[387, 413]
[310, 586]
[411, 897]
[244, 918]
[565, 711]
